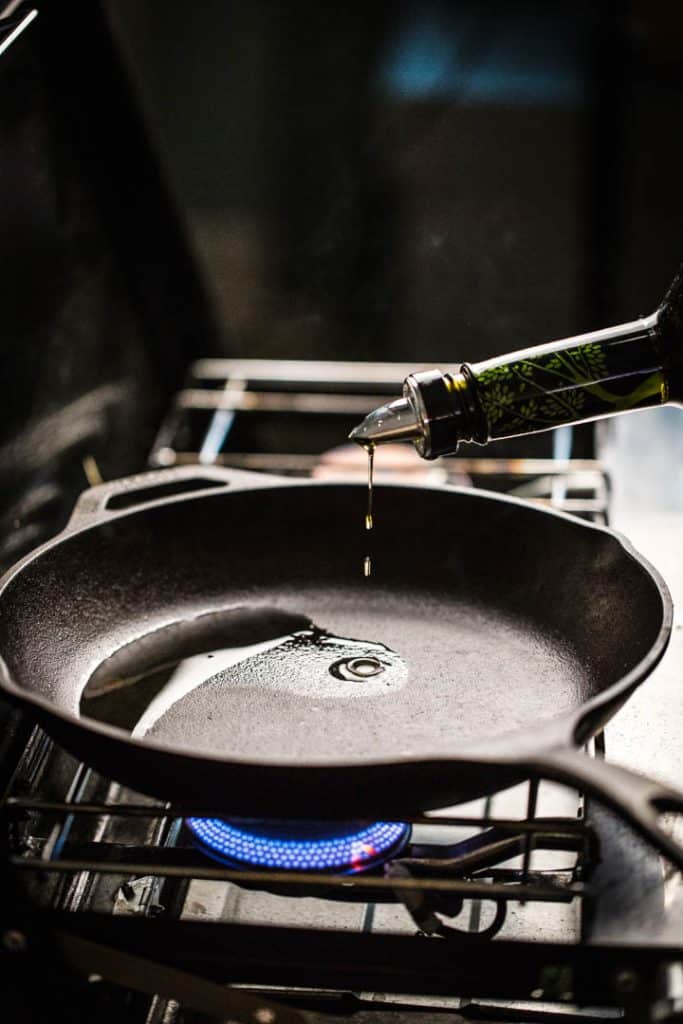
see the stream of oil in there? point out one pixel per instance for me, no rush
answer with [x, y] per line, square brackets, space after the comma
[369, 523]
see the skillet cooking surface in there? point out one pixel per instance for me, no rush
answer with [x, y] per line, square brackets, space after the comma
[437, 684]
[459, 665]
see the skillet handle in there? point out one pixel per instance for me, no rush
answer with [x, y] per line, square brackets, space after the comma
[637, 799]
[97, 504]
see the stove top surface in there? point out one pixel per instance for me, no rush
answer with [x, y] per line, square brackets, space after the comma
[520, 885]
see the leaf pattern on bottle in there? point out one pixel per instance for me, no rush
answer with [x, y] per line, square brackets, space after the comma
[561, 386]
[595, 358]
[572, 401]
[500, 399]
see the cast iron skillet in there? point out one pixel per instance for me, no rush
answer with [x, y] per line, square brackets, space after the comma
[508, 635]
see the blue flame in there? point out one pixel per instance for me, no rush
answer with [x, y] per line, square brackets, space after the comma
[356, 851]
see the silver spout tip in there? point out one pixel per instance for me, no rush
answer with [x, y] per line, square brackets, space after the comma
[396, 421]
[358, 433]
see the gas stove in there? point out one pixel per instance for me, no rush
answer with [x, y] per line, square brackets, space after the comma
[533, 904]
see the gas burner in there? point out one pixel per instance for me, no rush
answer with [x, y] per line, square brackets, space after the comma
[299, 846]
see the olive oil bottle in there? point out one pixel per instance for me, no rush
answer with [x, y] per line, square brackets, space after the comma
[632, 366]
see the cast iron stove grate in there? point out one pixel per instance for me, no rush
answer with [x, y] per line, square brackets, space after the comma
[447, 924]
[117, 866]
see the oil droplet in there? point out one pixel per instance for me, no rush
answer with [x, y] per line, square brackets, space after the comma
[370, 449]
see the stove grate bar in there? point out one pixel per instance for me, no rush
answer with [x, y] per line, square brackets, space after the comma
[235, 399]
[498, 891]
[542, 826]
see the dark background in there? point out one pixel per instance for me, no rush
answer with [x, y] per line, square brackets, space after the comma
[421, 180]
[414, 181]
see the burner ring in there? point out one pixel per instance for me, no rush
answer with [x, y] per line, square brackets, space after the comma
[357, 849]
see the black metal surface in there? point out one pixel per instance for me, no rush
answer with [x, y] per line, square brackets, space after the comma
[102, 305]
[611, 972]
[430, 876]
[585, 975]
[532, 628]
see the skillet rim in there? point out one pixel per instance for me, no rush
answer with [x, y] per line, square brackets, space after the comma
[565, 730]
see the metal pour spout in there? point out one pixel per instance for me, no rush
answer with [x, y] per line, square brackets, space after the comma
[396, 421]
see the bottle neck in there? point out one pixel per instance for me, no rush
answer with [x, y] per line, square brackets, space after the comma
[632, 366]
[571, 381]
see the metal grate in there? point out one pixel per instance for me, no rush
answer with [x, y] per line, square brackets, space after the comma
[500, 868]
[227, 402]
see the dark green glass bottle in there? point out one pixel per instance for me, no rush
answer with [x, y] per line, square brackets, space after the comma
[633, 366]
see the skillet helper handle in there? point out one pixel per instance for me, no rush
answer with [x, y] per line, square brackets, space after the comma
[640, 801]
[96, 504]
